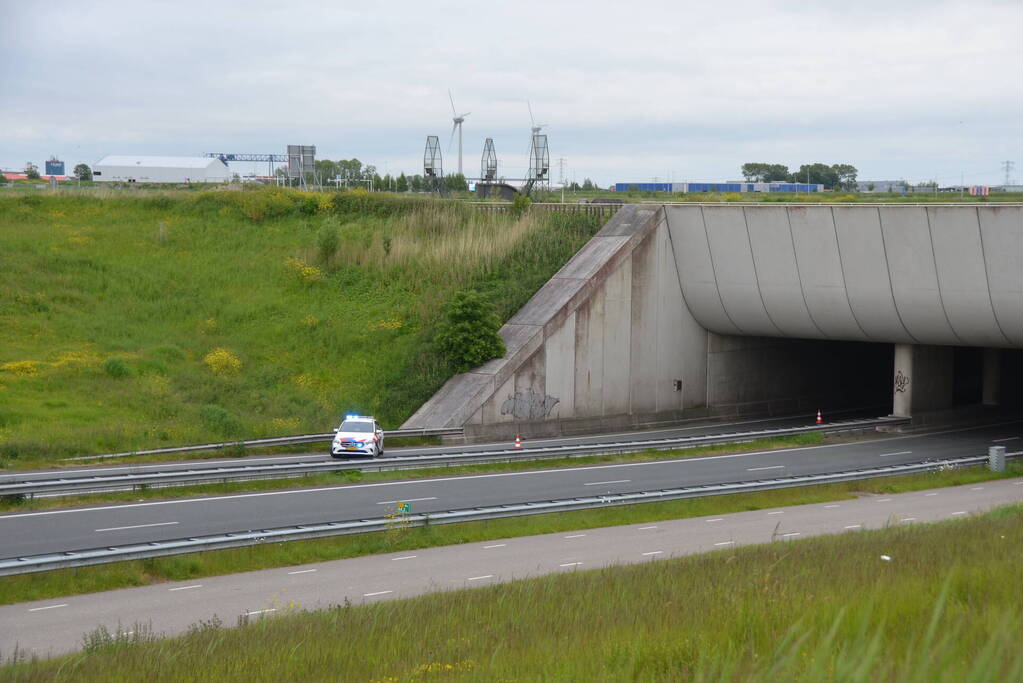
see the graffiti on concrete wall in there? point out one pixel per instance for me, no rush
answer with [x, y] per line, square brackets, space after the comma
[901, 382]
[527, 405]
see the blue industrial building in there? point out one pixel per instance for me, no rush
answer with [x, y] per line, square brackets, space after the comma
[718, 187]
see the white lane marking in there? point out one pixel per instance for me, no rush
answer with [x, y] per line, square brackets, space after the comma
[406, 500]
[853, 526]
[575, 536]
[930, 494]
[370, 595]
[40, 609]
[654, 552]
[570, 564]
[406, 557]
[777, 512]
[480, 578]
[601, 483]
[137, 526]
[496, 545]
[791, 533]
[884, 500]
[772, 467]
[261, 611]
[1008, 438]
[546, 473]
[832, 506]
[885, 455]
[909, 519]
[1018, 483]
[960, 512]
[302, 571]
[725, 543]
[717, 519]
[185, 588]
[977, 488]
[646, 528]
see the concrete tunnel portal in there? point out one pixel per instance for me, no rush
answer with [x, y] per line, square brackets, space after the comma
[714, 310]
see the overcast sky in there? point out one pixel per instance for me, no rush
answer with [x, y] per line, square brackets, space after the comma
[629, 91]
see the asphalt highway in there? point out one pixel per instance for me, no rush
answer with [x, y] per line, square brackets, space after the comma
[31, 533]
[110, 468]
[57, 625]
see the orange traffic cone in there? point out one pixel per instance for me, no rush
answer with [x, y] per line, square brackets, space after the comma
[518, 441]
[819, 420]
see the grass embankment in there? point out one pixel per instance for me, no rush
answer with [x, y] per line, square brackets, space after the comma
[65, 582]
[139, 322]
[18, 503]
[946, 606]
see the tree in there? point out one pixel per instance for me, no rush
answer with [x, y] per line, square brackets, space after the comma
[846, 176]
[402, 183]
[764, 173]
[456, 183]
[588, 185]
[83, 172]
[468, 333]
[31, 171]
[816, 174]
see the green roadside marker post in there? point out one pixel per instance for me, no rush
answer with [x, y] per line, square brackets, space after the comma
[405, 508]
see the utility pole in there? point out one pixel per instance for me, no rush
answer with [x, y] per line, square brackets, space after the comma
[561, 174]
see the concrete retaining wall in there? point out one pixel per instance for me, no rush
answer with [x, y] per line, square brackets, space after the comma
[694, 310]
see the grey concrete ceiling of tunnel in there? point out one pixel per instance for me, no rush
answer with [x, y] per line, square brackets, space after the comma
[945, 275]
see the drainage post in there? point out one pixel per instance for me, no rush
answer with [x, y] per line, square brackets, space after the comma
[996, 458]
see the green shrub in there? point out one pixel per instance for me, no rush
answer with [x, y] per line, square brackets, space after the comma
[327, 241]
[520, 204]
[467, 335]
[219, 420]
[116, 367]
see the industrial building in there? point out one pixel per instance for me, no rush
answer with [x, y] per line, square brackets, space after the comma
[133, 169]
[731, 186]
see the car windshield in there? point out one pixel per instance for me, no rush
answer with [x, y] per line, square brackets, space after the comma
[353, 426]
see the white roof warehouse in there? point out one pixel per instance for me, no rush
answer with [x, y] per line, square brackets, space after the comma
[132, 169]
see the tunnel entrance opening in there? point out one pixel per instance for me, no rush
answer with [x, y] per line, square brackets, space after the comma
[967, 376]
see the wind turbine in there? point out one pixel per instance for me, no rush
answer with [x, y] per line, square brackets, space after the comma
[458, 120]
[535, 127]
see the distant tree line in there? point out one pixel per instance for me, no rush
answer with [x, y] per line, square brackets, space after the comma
[834, 177]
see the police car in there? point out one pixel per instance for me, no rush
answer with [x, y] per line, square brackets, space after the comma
[358, 434]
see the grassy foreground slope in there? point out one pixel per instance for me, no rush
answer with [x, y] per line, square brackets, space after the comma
[944, 605]
[133, 322]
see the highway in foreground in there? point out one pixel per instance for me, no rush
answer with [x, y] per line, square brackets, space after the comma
[51, 531]
[57, 625]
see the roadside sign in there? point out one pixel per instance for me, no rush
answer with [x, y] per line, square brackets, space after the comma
[405, 507]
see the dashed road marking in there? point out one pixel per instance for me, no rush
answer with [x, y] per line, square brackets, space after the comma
[370, 595]
[404, 557]
[136, 526]
[717, 519]
[725, 543]
[480, 578]
[261, 611]
[791, 533]
[777, 512]
[302, 571]
[772, 467]
[496, 545]
[40, 609]
[570, 564]
[647, 528]
[575, 536]
[930, 494]
[186, 588]
[909, 519]
[977, 488]
[884, 500]
[654, 552]
[406, 500]
[854, 526]
[959, 512]
[832, 506]
[601, 483]
[885, 455]
[1008, 438]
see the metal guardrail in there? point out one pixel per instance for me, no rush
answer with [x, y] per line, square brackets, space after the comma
[195, 475]
[82, 558]
[271, 441]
